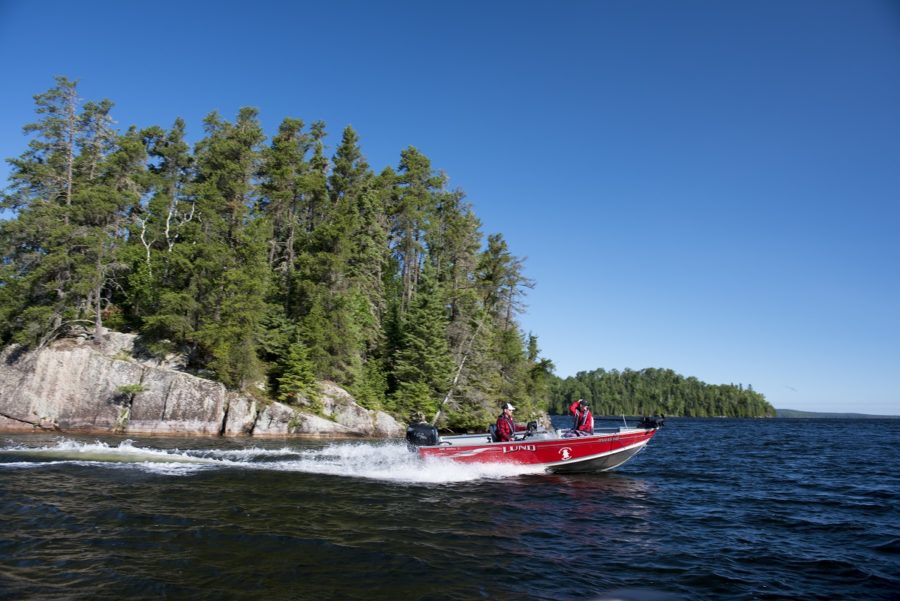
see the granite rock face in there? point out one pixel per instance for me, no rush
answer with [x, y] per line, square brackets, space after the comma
[76, 385]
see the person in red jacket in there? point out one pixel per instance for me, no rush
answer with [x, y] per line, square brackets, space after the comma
[584, 421]
[506, 427]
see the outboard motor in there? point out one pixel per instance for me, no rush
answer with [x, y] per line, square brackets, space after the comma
[651, 423]
[421, 435]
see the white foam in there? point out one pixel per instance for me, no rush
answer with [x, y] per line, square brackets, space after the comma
[125, 455]
[24, 465]
[389, 461]
[394, 462]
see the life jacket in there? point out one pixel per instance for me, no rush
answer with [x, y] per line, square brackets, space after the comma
[509, 431]
[584, 422]
[580, 419]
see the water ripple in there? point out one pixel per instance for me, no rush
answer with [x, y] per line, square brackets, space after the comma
[717, 509]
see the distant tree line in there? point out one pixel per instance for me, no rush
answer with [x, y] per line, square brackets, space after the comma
[268, 263]
[656, 391]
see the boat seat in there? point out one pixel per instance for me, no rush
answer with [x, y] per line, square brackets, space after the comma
[492, 433]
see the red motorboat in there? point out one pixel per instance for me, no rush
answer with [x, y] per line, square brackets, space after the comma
[557, 451]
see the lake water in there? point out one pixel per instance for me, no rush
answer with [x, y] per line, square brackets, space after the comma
[712, 509]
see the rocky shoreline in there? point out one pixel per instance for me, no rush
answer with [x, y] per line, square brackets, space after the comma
[105, 387]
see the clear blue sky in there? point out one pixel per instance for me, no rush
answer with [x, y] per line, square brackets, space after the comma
[707, 186]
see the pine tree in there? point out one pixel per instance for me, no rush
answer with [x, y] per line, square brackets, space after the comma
[284, 195]
[297, 375]
[359, 243]
[351, 173]
[410, 212]
[540, 374]
[169, 209]
[46, 171]
[453, 239]
[214, 296]
[102, 210]
[35, 267]
[501, 281]
[96, 138]
[424, 366]
[319, 203]
[158, 230]
[72, 191]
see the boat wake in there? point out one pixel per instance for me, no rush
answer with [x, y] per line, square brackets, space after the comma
[388, 461]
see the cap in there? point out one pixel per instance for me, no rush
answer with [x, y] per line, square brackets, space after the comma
[508, 406]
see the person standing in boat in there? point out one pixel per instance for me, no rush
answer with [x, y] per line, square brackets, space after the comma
[506, 426]
[584, 421]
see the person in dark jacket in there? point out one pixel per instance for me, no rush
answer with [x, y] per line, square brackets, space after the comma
[506, 427]
[584, 421]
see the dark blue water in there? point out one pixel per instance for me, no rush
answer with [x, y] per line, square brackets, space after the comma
[713, 509]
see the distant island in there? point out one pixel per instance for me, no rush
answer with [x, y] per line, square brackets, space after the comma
[656, 391]
[822, 415]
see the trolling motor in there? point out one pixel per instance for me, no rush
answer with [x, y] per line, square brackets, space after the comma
[651, 423]
[421, 435]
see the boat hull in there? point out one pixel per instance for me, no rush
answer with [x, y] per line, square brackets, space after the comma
[596, 453]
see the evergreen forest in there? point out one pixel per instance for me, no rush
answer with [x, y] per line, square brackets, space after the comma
[656, 392]
[270, 264]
